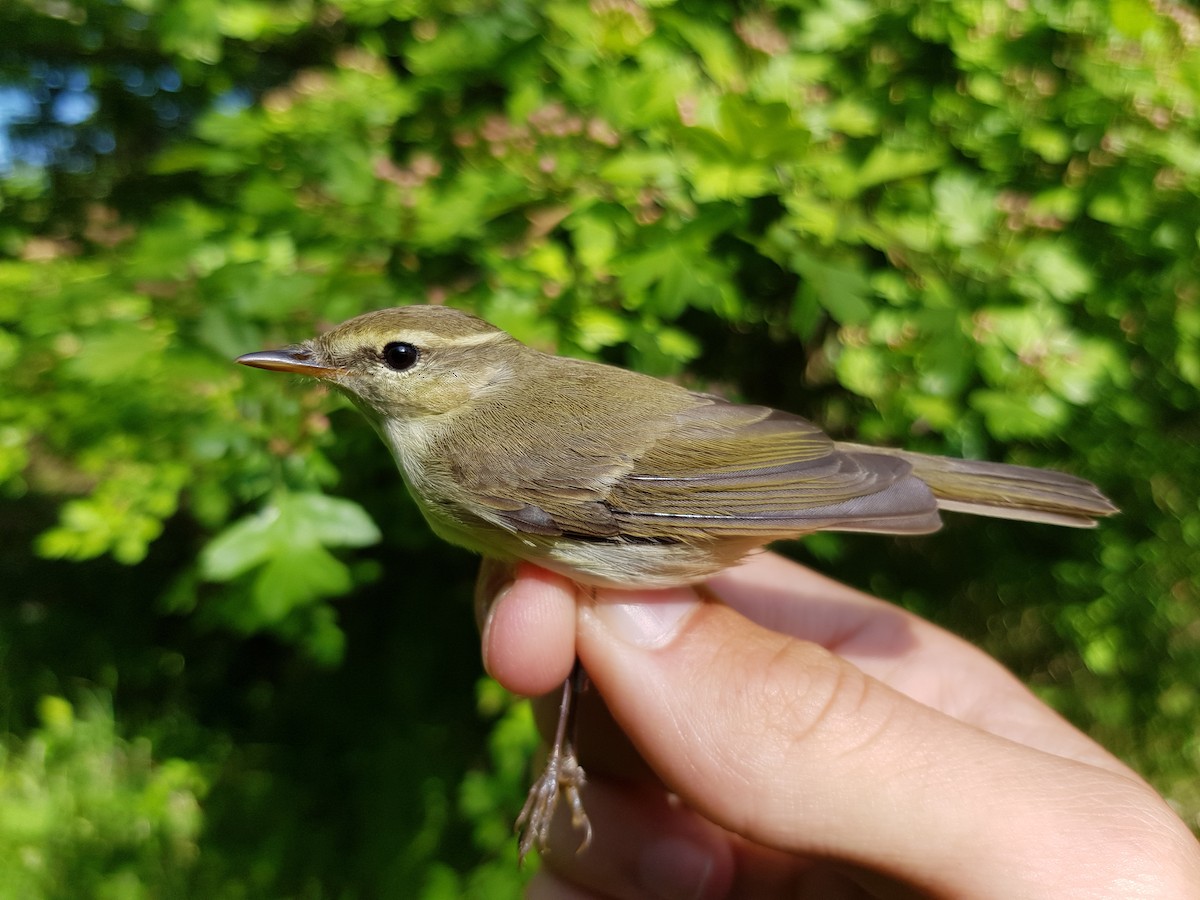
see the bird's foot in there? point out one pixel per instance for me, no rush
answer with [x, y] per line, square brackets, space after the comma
[562, 773]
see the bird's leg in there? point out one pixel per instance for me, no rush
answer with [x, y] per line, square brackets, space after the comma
[562, 773]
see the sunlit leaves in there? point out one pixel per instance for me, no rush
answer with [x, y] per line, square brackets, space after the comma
[123, 515]
[287, 543]
[968, 226]
[964, 208]
[84, 806]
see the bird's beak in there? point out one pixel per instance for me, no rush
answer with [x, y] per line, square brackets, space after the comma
[294, 359]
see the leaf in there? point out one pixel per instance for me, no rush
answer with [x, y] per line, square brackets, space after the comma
[862, 370]
[333, 521]
[121, 351]
[946, 364]
[965, 208]
[715, 45]
[635, 169]
[833, 25]
[1132, 17]
[240, 547]
[296, 577]
[1051, 144]
[854, 117]
[730, 181]
[1010, 417]
[678, 345]
[595, 238]
[598, 328]
[886, 164]
[294, 524]
[1051, 268]
[843, 290]
[468, 45]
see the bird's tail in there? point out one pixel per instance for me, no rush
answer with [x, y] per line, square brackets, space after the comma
[1003, 491]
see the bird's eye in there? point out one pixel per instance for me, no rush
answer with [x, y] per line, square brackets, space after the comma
[400, 356]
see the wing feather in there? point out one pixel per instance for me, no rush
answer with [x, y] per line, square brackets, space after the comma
[713, 469]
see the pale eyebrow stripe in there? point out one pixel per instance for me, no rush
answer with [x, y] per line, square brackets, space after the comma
[429, 339]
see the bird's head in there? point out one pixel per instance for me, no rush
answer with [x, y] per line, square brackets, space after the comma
[403, 363]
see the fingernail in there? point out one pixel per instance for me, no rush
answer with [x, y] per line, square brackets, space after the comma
[649, 621]
[486, 599]
[674, 869]
[484, 615]
[494, 577]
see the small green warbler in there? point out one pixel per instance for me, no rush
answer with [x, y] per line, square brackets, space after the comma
[615, 478]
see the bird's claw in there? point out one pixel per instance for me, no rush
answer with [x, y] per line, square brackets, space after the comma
[562, 773]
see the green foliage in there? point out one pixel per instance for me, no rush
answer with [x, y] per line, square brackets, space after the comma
[85, 813]
[966, 227]
[284, 545]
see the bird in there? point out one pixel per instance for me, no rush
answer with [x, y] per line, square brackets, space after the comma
[615, 478]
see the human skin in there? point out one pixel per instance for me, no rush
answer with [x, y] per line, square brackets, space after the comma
[802, 739]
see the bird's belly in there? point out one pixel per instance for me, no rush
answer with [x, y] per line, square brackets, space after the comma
[632, 564]
[609, 563]
[637, 565]
[615, 562]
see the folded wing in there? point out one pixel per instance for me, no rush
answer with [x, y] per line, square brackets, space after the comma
[716, 470]
[728, 470]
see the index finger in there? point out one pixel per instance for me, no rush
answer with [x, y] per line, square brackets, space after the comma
[902, 650]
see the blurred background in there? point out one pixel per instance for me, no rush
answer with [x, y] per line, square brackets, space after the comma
[966, 226]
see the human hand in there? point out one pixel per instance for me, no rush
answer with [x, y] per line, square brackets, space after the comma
[800, 739]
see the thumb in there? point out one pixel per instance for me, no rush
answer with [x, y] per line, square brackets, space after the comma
[790, 746]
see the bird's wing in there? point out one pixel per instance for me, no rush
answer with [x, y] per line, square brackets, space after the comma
[713, 470]
[729, 470]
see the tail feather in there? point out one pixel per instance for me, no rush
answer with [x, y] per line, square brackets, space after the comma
[1003, 491]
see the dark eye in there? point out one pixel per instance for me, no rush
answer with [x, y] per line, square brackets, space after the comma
[400, 356]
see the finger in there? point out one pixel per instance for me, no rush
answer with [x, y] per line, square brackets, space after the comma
[794, 748]
[648, 844]
[904, 651]
[493, 578]
[545, 885]
[528, 639]
[644, 844]
[529, 651]
[788, 598]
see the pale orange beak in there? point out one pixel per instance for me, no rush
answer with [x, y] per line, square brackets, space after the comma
[294, 359]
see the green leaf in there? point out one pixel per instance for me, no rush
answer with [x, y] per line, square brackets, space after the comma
[297, 576]
[730, 181]
[247, 543]
[862, 370]
[598, 328]
[832, 25]
[885, 164]
[1051, 144]
[595, 236]
[1132, 17]
[678, 345]
[331, 521]
[1051, 269]
[1010, 417]
[466, 45]
[294, 524]
[843, 290]
[635, 169]
[714, 44]
[120, 351]
[965, 208]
